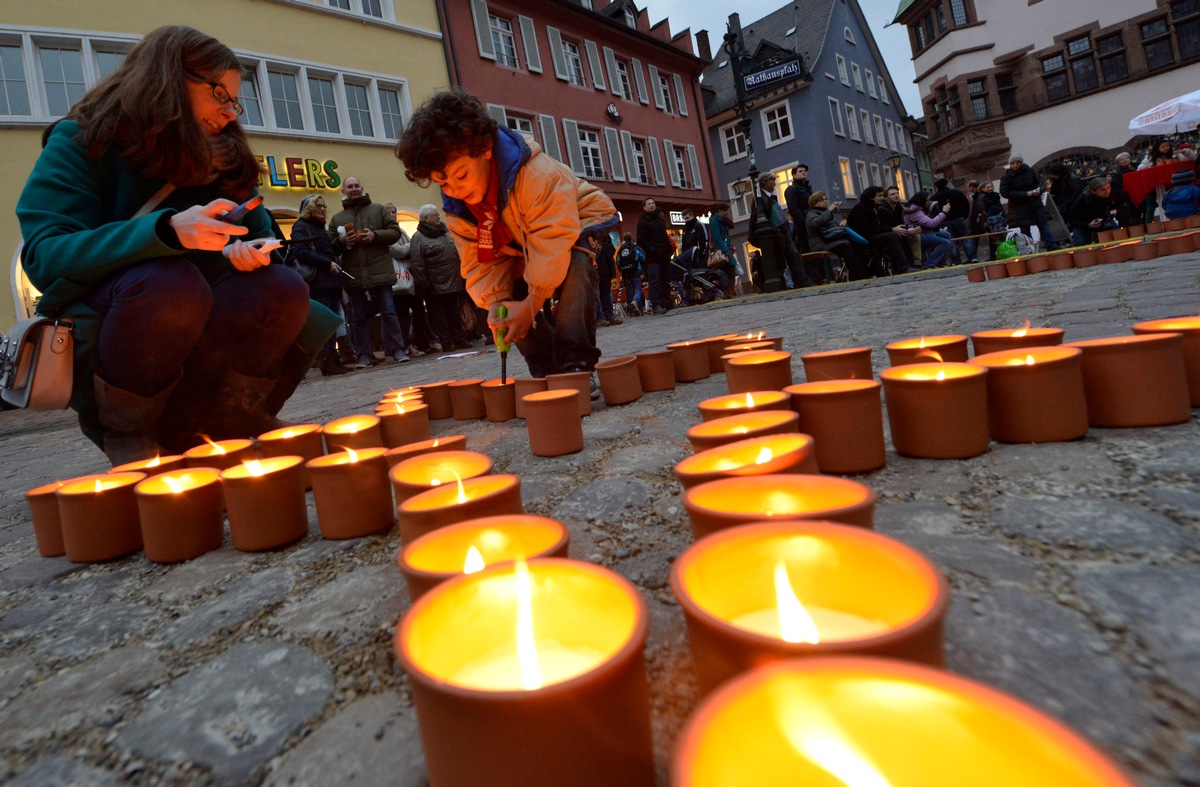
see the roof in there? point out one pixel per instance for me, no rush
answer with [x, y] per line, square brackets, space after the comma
[904, 6]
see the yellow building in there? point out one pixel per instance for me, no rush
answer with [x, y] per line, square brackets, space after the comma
[330, 85]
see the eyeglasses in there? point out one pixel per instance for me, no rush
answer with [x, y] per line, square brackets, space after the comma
[219, 92]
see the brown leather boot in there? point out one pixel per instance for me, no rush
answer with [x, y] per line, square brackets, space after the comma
[129, 420]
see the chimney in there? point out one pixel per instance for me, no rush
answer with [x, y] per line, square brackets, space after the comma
[704, 46]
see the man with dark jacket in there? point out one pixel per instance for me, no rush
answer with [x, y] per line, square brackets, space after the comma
[694, 248]
[1127, 212]
[435, 266]
[630, 261]
[891, 213]
[362, 233]
[1065, 187]
[1093, 210]
[796, 196]
[867, 220]
[1019, 185]
[960, 210]
[652, 237]
[768, 227]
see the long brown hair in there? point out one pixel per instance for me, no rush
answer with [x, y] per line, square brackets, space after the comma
[143, 109]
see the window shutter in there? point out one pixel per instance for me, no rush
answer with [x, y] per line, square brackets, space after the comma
[610, 61]
[679, 92]
[656, 87]
[499, 114]
[635, 65]
[691, 154]
[594, 62]
[550, 136]
[669, 161]
[483, 30]
[533, 55]
[630, 160]
[656, 160]
[614, 153]
[556, 53]
[574, 152]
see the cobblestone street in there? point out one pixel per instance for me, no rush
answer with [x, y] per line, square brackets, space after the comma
[1074, 567]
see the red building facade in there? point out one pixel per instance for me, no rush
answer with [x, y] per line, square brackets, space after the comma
[601, 90]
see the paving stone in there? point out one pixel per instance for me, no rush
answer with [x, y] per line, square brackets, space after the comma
[980, 557]
[64, 772]
[607, 428]
[241, 601]
[1091, 522]
[926, 478]
[917, 518]
[232, 714]
[371, 741]
[605, 500]
[1160, 607]
[87, 630]
[1077, 463]
[1180, 503]
[537, 490]
[358, 601]
[14, 671]
[197, 577]
[644, 460]
[36, 571]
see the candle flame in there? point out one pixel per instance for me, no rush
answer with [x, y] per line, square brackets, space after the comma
[99, 486]
[764, 456]
[435, 443]
[435, 482]
[760, 335]
[254, 467]
[740, 430]
[921, 344]
[352, 454]
[1021, 331]
[795, 625]
[176, 487]
[531, 670]
[399, 409]
[941, 375]
[155, 462]
[1029, 360]
[216, 448]
[474, 561]
[749, 400]
[815, 735]
[288, 433]
[462, 493]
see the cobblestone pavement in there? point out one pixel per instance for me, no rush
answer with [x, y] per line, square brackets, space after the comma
[1074, 566]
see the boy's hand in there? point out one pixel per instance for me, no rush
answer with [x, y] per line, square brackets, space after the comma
[519, 320]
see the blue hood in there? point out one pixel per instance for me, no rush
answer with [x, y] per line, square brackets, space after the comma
[511, 153]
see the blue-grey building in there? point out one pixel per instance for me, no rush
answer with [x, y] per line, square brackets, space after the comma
[838, 112]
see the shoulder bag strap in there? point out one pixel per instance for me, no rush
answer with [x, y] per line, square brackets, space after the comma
[154, 201]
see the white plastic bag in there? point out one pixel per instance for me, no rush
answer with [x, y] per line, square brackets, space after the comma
[1023, 242]
[405, 284]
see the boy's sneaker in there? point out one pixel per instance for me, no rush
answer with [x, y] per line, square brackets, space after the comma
[400, 356]
[594, 385]
[364, 362]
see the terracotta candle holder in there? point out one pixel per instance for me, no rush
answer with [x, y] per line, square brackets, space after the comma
[810, 718]
[351, 493]
[716, 348]
[763, 370]
[727, 502]
[525, 386]
[474, 545]
[1145, 251]
[845, 419]
[976, 274]
[619, 380]
[47, 526]
[265, 502]
[1035, 394]
[656, 369]
[499, 400]
[402, 394]
[949, 349]
[1135, 380]
[403, 423]
[1085, 257]
[353, 431]
[99, 517]
[548, 651]
[420, 473]
[769, 591]
[740, 346]
[553, 421]
[437, 396]
[303, 440]
[1038, 264]
[579, 382]
[155, 466]
[448, 504]
[1062, 261]
[466, 400]
[182, 514]
[731, 428]
[221, 454]
[1016, 267]
[850, 364]
[937, 410]
[691, 361]
[777, 453]
[994, 341]
[749, 402]
[452, 442]
[754, 337]
[1189, 329]
[383, 408]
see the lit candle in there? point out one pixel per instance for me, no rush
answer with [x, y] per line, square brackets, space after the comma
[220, 454]
[1035, 394]
[1011, 339]
[550, 651]
[874, 722]
[845, 419]
[553, 422]
[774, 590]
[778, 453]
[473, 545]
[656, 370]
[937, 410]
[351, 493]
[99, 517]
[762, 370]
[437, 396]
[457, 502]
[690, 359]
[1138, 380]
[620, 382]
[450, 442]
[403, 423]
[182, 514]
[727, 502]
[731, 428]
[353, 431]
[47, 526]
[748, 402]
[1189, 329]
[850, 364]
[153, 466]
[466, 399]
[949, 349]
[426, 471]
[302, 440]
[265, 501]
[740, 346]
[401, 395]
[499, 400]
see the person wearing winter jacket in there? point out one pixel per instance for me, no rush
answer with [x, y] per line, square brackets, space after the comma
[822, 216]
[434, 263]
[1183, 198]
[316, 260]
[1019, 185]
[866, 219]
[1095, 209]
[936, 245]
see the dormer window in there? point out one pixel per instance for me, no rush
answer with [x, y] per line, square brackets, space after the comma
[631, 17]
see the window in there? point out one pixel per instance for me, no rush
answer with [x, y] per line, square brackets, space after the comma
[868, 137]
[777, 122]
[664, 90]
[852, 124]
[108, 62]
[933, 119]
[323, 105]
[849, 36]
[14, 90]
[958, 12]
[623, 84]
[1083, 65]
[871, 84]
[1006, 91]
[1054, 73]
[1157, 44]
[739, 203]
[919, 37]
[573, 63]
[503, 42]
[62, 77]
[639, 161]
[860, 171]
[1113, 65]
[876, 179]
[523, 126]
[841, 65]
[847, 178]
[589, 146]
[940, 13]
[342, 4]
[373, 8]
[359, 108]
[248, 98]
[630, 18]
[835, 113]
[891, 132]
[393, 116]
[951, 111]
[883, 94]
[858, 82]
[285, 99]
[879, 130]
[733, 142]
[679, 161]
[1187, 28]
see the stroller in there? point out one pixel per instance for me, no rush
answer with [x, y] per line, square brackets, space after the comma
[693, 286]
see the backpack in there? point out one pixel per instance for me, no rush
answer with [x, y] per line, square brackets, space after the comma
[627, 257]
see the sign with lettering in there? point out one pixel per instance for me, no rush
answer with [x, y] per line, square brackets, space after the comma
[308, 174]
[773, 75]
[677, 217]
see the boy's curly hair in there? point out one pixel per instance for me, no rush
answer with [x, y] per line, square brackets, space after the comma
[446, 126]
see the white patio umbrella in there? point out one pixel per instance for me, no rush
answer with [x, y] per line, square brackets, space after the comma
[1176, 116]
